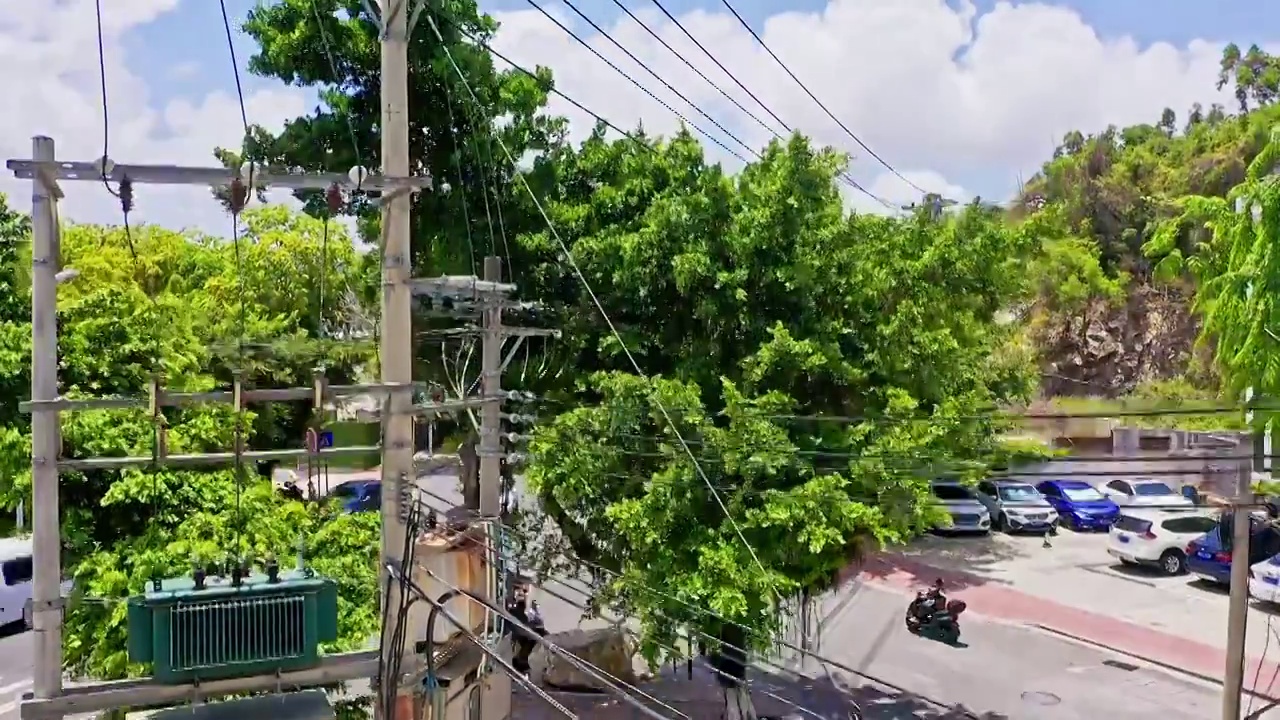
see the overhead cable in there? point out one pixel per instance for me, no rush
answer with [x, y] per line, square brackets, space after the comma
[720, 65]
[995, 413]
[815, 99]
[582, 665]
[497, 659]
[599, 614]
[573, 265]
[645, 66]
[844, 175]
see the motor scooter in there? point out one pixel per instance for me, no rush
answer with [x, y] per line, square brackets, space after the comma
[931, 615]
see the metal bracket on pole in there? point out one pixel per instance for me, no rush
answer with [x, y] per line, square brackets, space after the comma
[520, 334]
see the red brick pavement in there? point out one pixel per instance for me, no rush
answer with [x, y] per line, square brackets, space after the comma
[999, 600]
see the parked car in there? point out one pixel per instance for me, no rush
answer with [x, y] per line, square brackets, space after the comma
[359, 495]
[17, 573]
[1264, 580]
[1080, 506]
[1017, 506]
[967, 514]
[1144, 492]
[1209, 556]
[1157, 537]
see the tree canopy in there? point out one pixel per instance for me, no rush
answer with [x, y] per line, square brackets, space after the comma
[754, 385]
[179, 310]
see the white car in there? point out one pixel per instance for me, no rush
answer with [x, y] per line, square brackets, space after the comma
[1264, 580]
[1157, 537]
[1144, 492]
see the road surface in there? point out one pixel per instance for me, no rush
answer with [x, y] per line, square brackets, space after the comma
[17, 658]
[1076, 588]
[1005, 671]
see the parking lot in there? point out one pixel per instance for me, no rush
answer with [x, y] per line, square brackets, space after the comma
[1076, 570]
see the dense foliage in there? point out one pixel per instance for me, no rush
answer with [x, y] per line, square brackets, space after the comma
[753, 299]
[678, 446]
[121, 528]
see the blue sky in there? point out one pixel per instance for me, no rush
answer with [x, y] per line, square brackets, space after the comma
[193, 33]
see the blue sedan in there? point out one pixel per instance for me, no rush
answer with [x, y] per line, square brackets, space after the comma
[1079, 504]
[1209, 557]
[359, 495]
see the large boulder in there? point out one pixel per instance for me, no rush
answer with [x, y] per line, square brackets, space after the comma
[606, 648]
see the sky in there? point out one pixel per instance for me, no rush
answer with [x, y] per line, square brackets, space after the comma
[962, 98]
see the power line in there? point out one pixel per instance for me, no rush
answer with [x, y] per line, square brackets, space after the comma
[501, 555]
[573, 264]
[695, 69]
[849, 180]
[628, 78]
[645, 66]
[582, 665]
[709, 613]
[994, 413]
[844, 175]
[815, 99]
[720, 65]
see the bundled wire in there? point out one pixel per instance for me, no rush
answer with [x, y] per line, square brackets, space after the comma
[581, 665]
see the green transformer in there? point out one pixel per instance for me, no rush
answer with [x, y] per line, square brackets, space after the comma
[223, 630]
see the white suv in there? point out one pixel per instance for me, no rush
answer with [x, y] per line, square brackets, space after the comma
[1157, 537]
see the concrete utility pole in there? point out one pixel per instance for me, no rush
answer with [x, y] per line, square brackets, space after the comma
[490, 450]
[1238, 612]
[397, 324]
[45, 171]
[46, 596]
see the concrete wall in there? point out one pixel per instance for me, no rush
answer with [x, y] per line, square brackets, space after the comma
[1207, 461]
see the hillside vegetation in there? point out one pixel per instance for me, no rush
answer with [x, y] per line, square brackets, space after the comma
[1104, 325]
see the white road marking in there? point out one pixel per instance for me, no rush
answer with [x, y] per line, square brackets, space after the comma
[14, 690]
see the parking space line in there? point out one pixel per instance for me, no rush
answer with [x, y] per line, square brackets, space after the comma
[1108, 572]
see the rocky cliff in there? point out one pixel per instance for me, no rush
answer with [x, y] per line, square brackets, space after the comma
[1110, 348]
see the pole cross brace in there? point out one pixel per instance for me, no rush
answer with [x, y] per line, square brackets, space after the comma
[223, 397]
[210, 176]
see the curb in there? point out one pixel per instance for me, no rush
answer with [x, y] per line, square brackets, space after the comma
[1216, 681]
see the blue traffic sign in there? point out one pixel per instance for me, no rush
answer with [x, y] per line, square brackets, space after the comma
[326, 438]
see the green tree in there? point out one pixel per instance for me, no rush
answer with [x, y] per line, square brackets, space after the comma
[1254, 74]
[153, 301]
[332, 45]
[753, 298]
[1235, 270]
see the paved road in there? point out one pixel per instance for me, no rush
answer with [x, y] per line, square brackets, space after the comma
[16, 661]
[1006, 671]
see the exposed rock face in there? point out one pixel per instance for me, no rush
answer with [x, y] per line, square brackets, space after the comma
[605, 648]
[1108, 350]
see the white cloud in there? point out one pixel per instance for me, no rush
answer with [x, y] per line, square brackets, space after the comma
[48, 51]
[960, 102]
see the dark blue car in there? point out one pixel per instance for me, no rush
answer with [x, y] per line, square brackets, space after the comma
[1080, 506]
[359, 495]
[1209, 556]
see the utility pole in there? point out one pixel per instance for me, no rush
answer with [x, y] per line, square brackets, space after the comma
[46, 594]
[396, 351]
[46, 171]
[1238, 608]
[490, 450]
